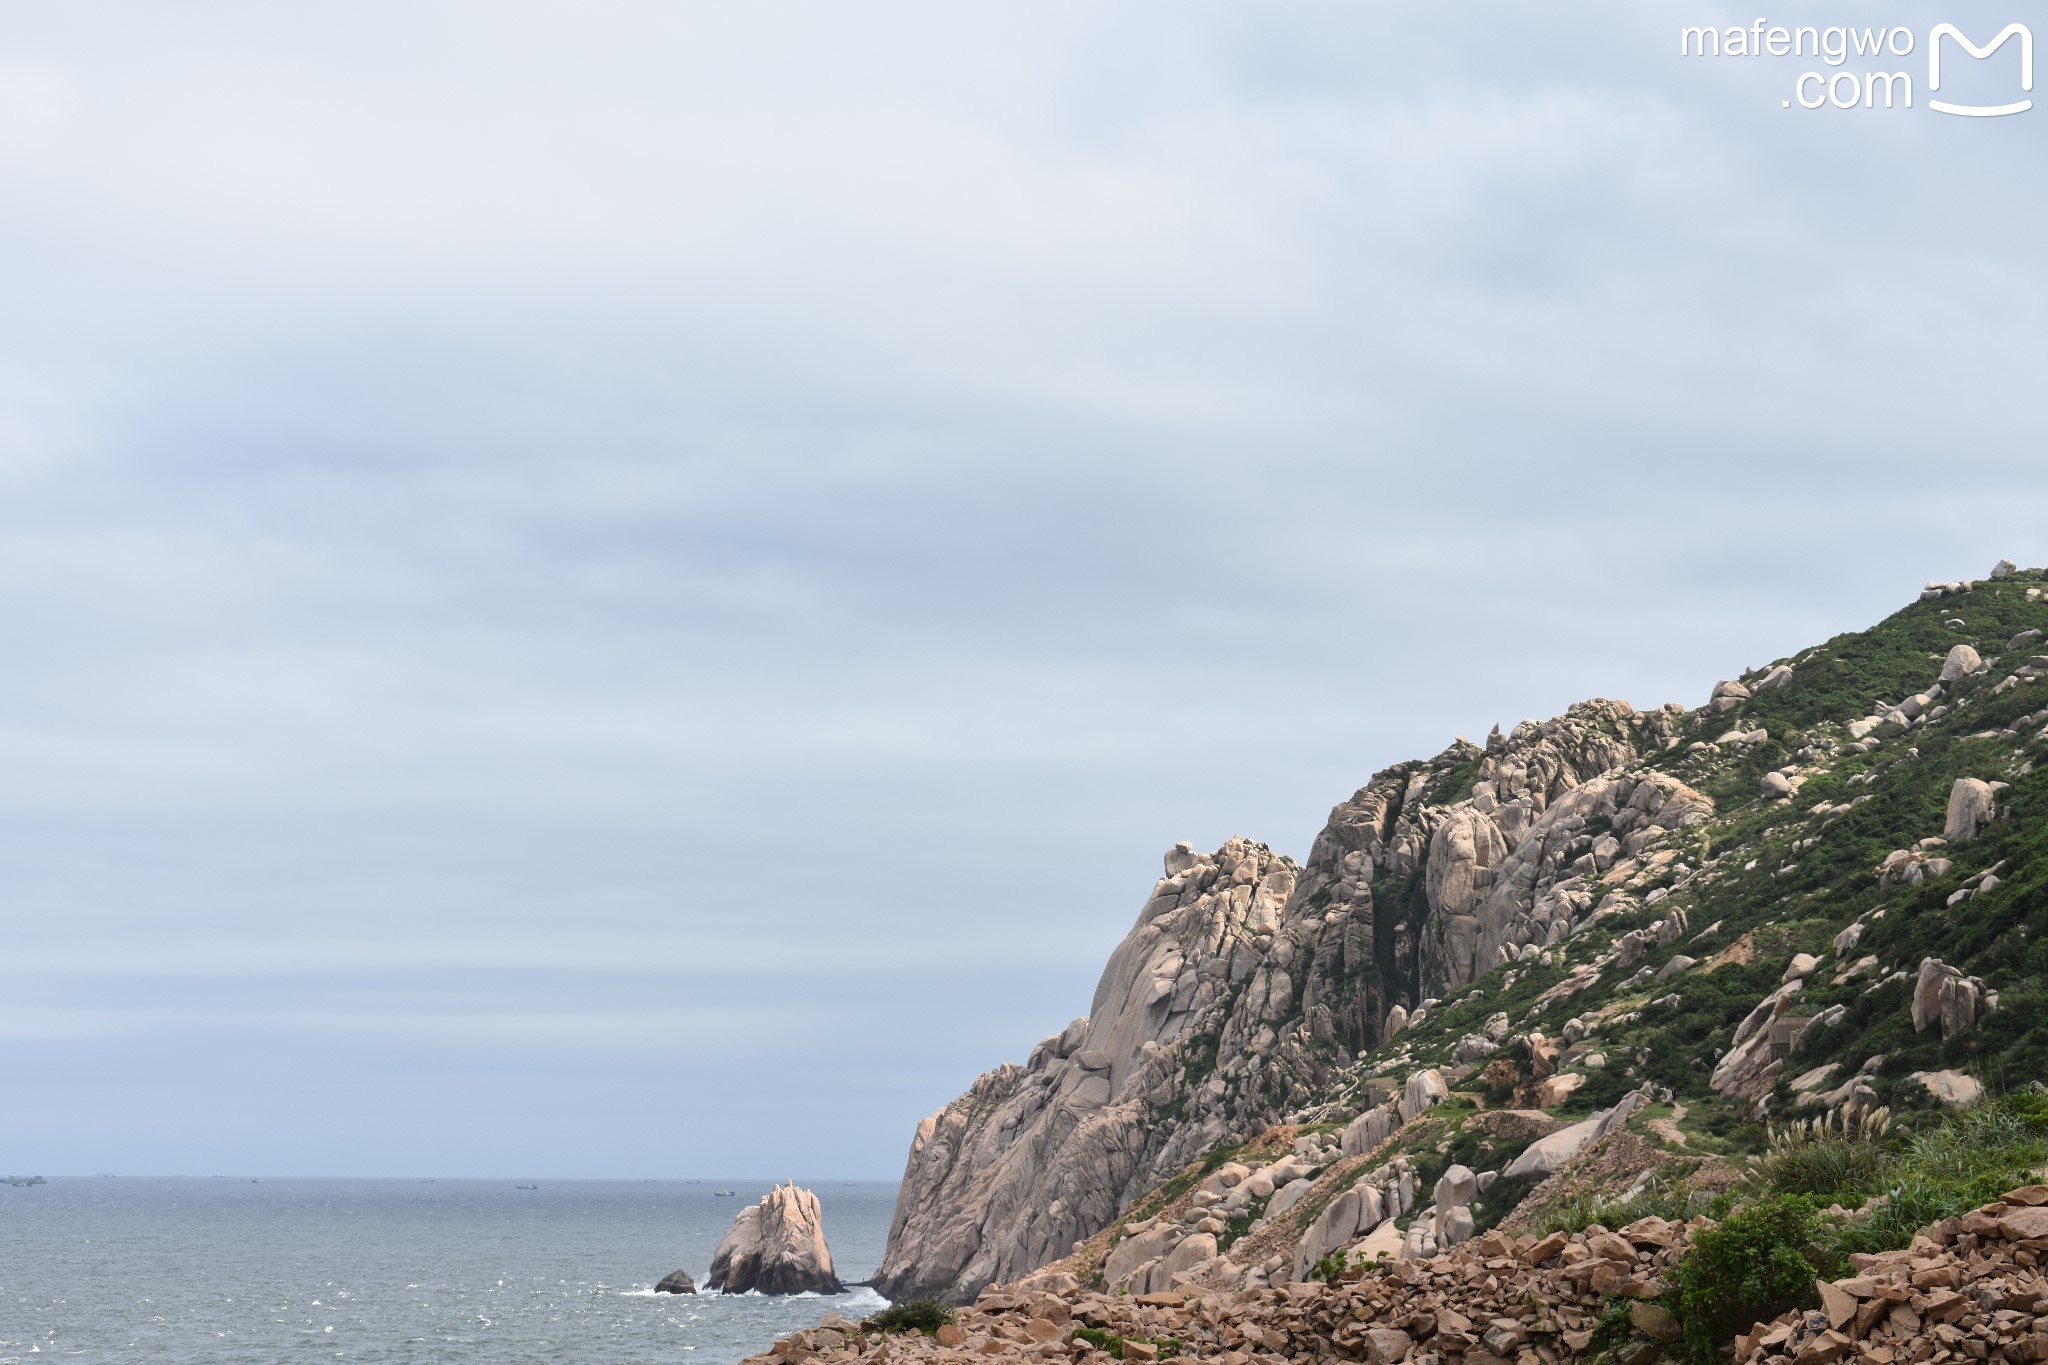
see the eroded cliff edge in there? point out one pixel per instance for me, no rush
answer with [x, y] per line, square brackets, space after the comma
[1249, 985]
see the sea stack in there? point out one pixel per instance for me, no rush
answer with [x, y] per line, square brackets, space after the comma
[776, 1247]
[677, 1283]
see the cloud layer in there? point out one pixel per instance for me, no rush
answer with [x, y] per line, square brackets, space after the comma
[637, 591]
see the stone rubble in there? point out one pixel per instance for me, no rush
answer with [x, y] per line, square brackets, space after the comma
[1968, 1289]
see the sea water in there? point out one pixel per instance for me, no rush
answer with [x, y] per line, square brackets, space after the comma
[236, 1270]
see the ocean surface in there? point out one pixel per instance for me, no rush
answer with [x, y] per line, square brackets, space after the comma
[398, 1270]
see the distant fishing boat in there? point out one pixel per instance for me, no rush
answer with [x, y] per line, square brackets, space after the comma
[526, 1187]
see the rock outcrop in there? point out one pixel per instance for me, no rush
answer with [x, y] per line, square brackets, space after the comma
[776, 1247]
[676, 1282]
[1034, 1158]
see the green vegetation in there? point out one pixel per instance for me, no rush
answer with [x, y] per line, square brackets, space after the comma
[1844, 1159]
[1237, 1225]
[1331, 1266]
[1670, 1194]
[1749, 1268]
[912, 1315]
[1942, 1171]
[1191, 1175]
[1764, 1256]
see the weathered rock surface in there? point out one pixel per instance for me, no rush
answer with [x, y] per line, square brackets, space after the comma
[1969, 809]
[1037, 1157]
[775, 1247]
[676, 1282]
[1549, 1155]
[1962, 661]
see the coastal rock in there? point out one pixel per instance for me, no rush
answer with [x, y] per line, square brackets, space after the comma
[776, 1247]
[1297, 1014]
[676, 1282]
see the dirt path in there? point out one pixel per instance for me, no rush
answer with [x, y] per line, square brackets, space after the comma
[1667, 1129]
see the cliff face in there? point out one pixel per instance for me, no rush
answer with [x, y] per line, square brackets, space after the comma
[1033, 1158]
[1800, 893]
[1248, 984]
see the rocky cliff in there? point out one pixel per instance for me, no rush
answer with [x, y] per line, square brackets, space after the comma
[1759, 901]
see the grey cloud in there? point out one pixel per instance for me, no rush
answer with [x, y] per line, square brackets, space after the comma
[606, 519]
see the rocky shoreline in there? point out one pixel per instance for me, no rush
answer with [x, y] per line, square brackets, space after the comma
[1966, 1289]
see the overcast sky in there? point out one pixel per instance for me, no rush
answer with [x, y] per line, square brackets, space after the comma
[637, 589]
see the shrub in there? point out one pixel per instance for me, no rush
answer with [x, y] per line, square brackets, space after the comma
[1748, 1269]
[1330, 1267]
[912, 1315]
[1843, 1156]
[1501, 1199]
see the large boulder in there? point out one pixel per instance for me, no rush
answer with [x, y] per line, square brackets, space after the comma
[1970, 808]
[677, 1282]
[1548, 1155]
[1424, 1090]
[1368, 1131]
[776, 1247]
[1955, 1088]
[1962, 661]
[1943, 995]
[1459, 1185]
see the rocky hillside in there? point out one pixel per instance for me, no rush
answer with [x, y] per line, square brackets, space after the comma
[1616, 931]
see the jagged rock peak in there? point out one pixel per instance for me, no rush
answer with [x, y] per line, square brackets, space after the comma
[1033, 1158]
[776, 1247]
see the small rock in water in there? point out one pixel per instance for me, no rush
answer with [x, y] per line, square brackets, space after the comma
[677, 1283]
